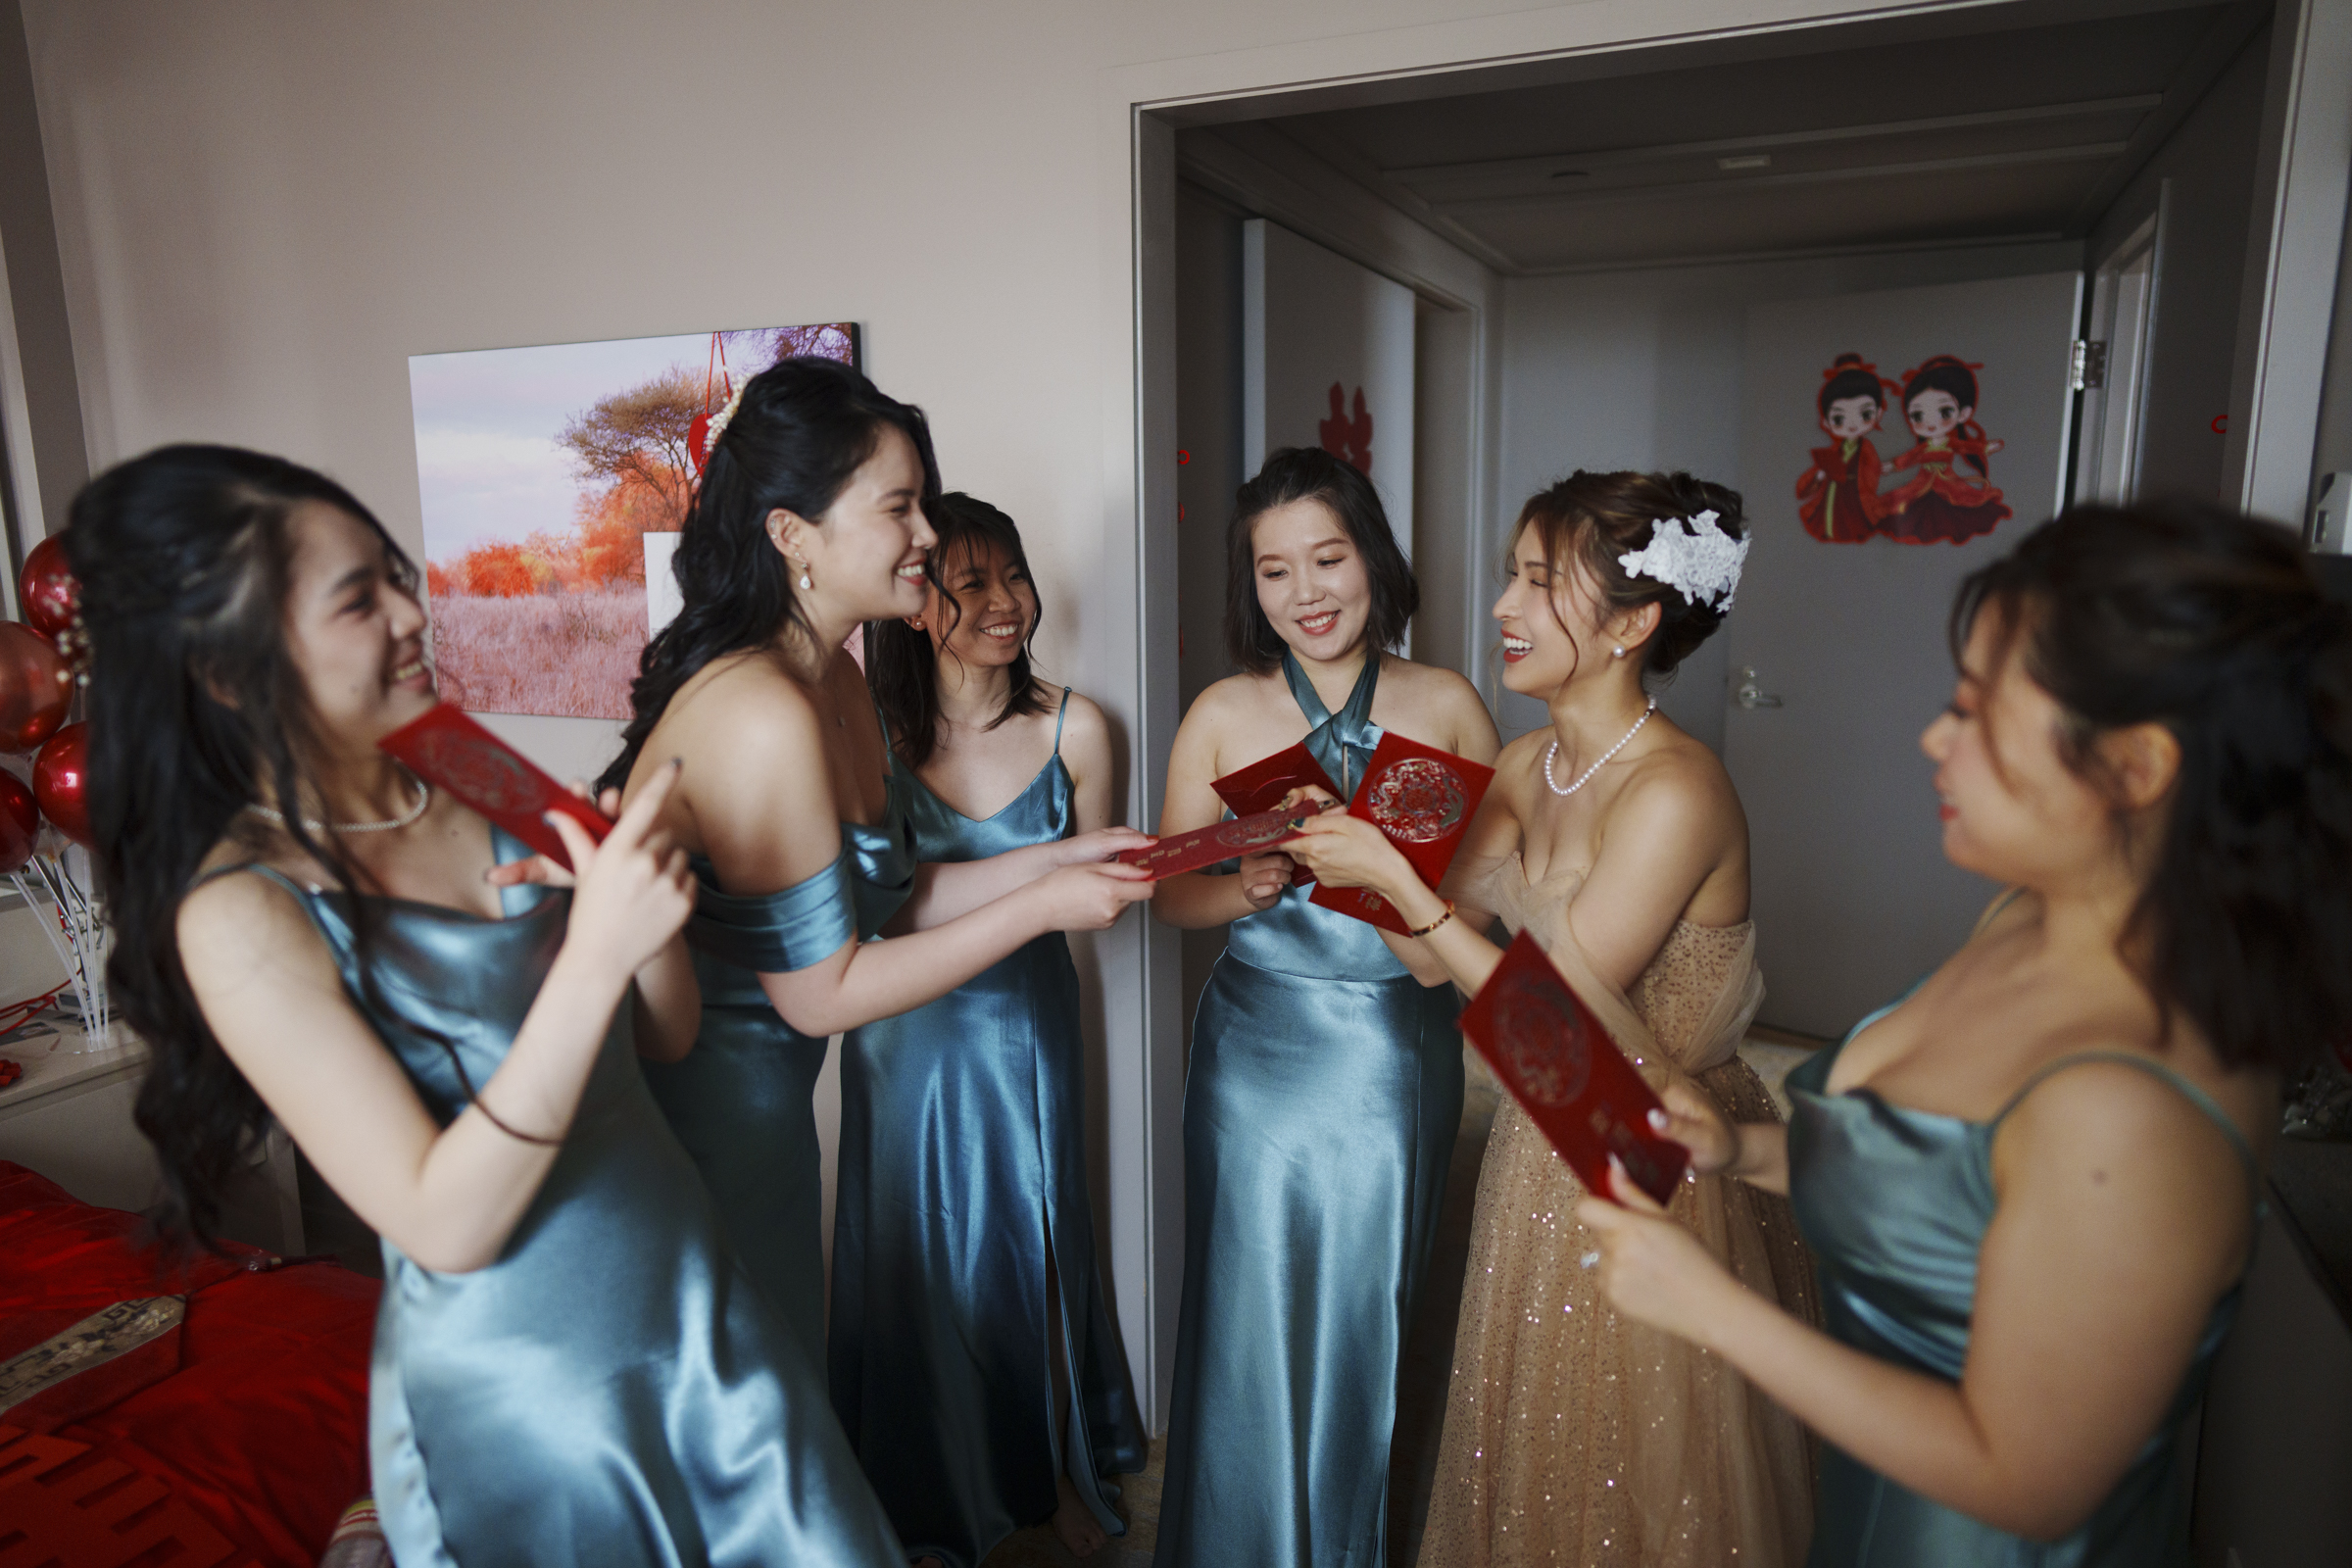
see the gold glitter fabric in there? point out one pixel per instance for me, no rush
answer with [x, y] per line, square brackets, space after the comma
[1573, 1436]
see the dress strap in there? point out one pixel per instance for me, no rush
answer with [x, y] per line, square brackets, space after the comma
[1060, 714]
[2155, 1069]
[1993, 911]
[1328, 739]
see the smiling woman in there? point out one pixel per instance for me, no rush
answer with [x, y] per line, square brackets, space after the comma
[1326, 1077]
[306, 932]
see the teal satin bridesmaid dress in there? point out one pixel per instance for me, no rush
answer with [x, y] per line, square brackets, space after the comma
[741, 1101]
[611, 1391]
[1319, 1115]
[963, 1237]
[1894, 1204]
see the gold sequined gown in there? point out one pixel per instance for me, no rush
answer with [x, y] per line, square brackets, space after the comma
[1576, 1437]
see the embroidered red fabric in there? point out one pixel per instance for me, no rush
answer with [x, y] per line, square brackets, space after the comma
[253, 1414]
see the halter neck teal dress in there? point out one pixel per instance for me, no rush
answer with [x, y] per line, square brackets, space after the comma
[962, 1231]
[611, 1391]
[1319, 1115]
[1894, 1204]
[741, 1101]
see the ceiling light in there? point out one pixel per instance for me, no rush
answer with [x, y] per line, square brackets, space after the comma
[1745, 161]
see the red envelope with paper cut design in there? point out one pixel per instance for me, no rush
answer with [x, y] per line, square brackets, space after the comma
[1423, 800]
[1575, 1084]
[1261, 784]
[447, 749]
[1253, 834]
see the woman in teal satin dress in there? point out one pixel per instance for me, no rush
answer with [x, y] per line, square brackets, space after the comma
[974, 1362]
[2033, 1185]
[808, 521]
[569, 1366]
[1325, 1084]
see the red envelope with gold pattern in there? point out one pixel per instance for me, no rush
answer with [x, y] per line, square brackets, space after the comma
[1260, 787]
[447, 749]
[1554, 1056]
[1219, 841]
[1423, 800]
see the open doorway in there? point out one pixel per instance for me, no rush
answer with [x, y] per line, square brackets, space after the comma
[1586, 237]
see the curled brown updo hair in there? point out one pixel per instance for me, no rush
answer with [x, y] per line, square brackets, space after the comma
[1588, 519]
[2213, 625]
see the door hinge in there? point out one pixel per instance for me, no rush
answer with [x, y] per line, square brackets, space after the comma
[2087, 364]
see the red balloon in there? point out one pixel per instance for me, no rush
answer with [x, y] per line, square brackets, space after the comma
[46, 590]
[20, 822]
[36, 687]
[61, 781]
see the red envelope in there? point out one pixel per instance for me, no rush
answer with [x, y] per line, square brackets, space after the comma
[1219, 841]
[1261, 784]
[1423, 800]
[445, 747]
[1561, 1066]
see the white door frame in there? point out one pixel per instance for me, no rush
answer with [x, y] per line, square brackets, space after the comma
[2299, 195]
[2123, 311]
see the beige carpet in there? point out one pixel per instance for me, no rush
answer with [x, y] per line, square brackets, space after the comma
[1428, 1354]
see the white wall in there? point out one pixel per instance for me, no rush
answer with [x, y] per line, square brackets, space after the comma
[1640, 369]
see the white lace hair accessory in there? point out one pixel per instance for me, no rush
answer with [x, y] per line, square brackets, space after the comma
[1694, 556]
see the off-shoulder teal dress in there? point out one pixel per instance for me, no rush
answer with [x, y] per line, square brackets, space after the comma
[610, 1392]
[1894, 1204]
[1319, 1114]
[741, 1101]
[963, 1235]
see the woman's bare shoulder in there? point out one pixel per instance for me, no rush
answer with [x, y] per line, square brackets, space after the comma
[1682, 786]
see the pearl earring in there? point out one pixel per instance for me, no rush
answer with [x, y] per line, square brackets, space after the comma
[806, 584]
[1614, 652]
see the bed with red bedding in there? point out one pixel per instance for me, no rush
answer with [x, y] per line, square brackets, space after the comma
[231, 1433]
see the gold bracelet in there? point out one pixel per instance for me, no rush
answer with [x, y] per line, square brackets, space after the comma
[1422, 931]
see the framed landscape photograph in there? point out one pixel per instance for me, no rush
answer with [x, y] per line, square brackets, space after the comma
[553, 481]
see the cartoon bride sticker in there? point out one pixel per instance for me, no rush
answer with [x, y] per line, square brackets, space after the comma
[1838, 496]
[1940, 501]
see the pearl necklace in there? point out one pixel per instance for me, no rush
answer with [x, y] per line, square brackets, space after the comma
[424, 798]
[1585, 778]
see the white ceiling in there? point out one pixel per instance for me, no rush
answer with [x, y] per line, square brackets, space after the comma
[1844, 139]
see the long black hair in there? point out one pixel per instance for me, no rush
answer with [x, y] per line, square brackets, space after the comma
[801, 429]
[195, 709]
[902, 664]
[1310, 473]
[2213, 625]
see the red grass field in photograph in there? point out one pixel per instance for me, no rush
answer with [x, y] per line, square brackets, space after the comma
[567, 653]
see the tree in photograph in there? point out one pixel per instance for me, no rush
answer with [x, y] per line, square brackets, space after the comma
[638, 438]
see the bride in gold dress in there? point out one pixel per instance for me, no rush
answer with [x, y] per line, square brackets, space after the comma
[1574, 1436]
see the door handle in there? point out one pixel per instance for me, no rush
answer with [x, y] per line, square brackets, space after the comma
[1750, 696]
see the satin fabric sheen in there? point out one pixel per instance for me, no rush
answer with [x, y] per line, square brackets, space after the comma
[742, 1100]
[1896, 1203]
[1320, 1110]
[611, 1391]
[962, 1162]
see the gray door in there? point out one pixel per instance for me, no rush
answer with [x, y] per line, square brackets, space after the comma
[1845, 635]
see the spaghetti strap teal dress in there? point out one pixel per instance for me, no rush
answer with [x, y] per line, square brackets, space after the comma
[1319, 1115]
[964, 1240]
[610, 1392]
[741, 1100]
[1894, 1204]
